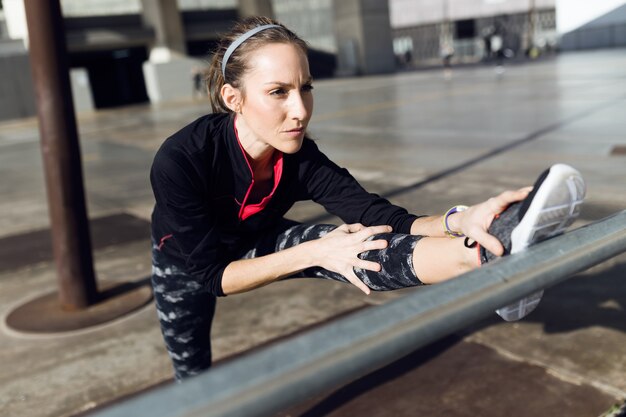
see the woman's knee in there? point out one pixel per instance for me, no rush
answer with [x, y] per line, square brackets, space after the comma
[396, 261]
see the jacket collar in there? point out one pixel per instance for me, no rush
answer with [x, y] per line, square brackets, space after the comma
[244, 178]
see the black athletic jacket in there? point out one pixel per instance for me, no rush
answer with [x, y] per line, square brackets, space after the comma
[201, 179]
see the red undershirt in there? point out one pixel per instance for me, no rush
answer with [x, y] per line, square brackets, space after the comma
[247, 207]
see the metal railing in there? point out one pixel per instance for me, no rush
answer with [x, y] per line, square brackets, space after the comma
[276, 377]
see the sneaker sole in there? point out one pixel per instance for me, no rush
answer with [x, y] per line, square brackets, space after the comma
[521, 308]
[554, 207]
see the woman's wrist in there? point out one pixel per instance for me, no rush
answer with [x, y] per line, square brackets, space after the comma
[454, 222]
[451, 221]
[307, 253]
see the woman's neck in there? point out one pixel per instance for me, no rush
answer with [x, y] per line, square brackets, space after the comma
[260, 155]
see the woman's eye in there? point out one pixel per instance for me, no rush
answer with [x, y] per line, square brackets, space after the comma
[307, 88]
[278, 92]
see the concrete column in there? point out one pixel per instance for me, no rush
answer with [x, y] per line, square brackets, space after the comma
[363, 33]
[16, 20]
[164, 17]
[17, 98]
[168, 72]
[256, 8]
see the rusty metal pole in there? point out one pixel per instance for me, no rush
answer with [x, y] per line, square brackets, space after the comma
[61, 155]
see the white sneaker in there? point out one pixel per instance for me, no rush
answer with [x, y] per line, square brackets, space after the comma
[551, 207]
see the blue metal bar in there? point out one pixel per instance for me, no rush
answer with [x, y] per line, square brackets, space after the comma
[276, 377]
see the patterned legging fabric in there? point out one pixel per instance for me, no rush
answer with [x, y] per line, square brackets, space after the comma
[185, 308]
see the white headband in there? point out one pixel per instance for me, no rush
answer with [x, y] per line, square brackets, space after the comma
[241, 40]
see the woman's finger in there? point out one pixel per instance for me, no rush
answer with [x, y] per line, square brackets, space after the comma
[374, 245]
[355, 227]
[373, 230]
[508, 197]
[368, 265]
[350, 276]
[489, 242]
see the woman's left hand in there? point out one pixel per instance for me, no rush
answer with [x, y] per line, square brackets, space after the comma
[475, 221]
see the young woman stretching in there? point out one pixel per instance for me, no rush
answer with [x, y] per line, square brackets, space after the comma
[223, 183]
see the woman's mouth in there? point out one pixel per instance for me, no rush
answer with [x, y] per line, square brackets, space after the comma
[295, 132]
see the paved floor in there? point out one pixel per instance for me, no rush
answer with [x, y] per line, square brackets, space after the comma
[424, 141]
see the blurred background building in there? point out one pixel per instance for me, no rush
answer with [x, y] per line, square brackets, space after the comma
[590, 25]
[472, 30]
[125, 52]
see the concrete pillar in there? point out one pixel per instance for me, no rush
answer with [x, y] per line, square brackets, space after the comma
[16, 20]
[256, 8]
[164, 17]
[81, 90]
[168, 72]
[17, 99]
[363, 33]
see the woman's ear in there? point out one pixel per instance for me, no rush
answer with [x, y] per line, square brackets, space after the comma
[231, 97]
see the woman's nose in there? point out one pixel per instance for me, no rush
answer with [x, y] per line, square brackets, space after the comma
[298, 107]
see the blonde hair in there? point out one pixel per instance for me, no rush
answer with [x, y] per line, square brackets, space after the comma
[237, 64]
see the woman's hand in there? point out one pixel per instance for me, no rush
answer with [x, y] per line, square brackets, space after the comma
[338, 250]
[475, 221]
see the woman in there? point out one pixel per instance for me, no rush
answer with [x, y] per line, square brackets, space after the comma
[223, 183]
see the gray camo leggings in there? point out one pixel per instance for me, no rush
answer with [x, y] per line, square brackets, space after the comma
[185, 308]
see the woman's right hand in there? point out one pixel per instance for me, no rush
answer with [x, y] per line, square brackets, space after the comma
[338, 250]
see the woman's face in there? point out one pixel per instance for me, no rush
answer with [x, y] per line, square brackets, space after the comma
[278, 100]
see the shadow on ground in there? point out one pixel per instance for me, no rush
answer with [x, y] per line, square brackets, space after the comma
[457, 378]
[588, 300]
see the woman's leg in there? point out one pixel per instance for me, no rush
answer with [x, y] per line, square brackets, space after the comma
[407, 261]
[185, 309]
[438, 259]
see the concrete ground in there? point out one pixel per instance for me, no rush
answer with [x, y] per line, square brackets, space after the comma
[426, 142]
